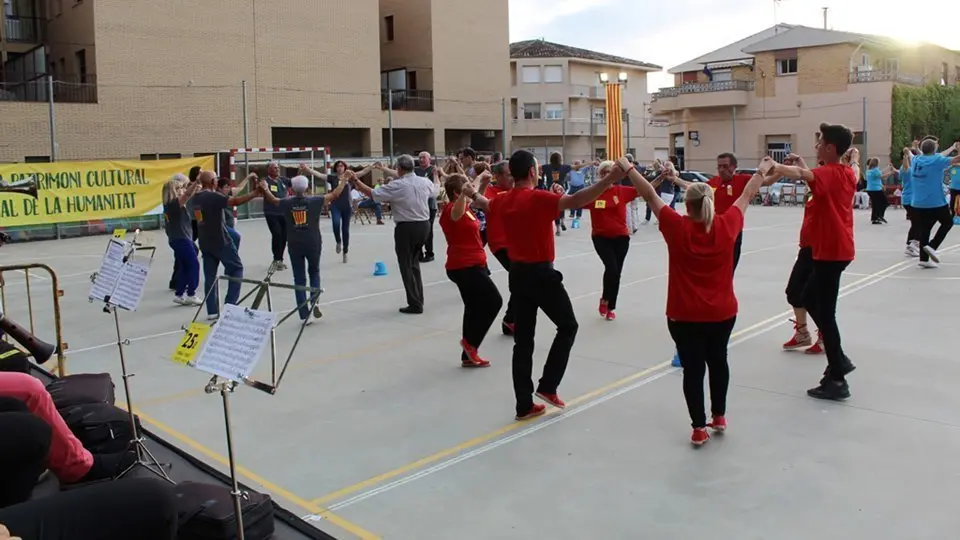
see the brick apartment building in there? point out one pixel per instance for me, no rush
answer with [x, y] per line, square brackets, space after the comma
[768, 93]
[163, 78]
[558, 102]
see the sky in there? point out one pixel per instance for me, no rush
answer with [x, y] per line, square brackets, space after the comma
[644, 30]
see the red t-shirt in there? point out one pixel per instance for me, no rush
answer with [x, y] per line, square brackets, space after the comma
[496, 233]
[727, 193]
[831, 218]
[528, 216]
[464, 247]
[608, 213]
[700, 283]
[807, 227]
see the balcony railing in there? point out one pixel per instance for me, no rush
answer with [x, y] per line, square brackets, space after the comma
[22, 29]
[700, 88]
[587, 91]
[407, 100]
[70, 90]
[877, 75]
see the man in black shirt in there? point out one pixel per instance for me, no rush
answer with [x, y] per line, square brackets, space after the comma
[278, 185]
[216, 246]
[302, 216]
[424, 168]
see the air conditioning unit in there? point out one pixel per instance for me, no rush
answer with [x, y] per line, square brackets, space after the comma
[489, 134]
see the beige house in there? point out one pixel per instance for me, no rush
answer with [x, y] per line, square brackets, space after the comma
[768, 93]
[165, 78]
[558, 103]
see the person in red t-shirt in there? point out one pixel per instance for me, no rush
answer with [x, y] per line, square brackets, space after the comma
[831, 240]
[799, 275]
[611, 237]
[497, 234]
[701, 304]
[467, 266]
[528, 215]
[727, 187]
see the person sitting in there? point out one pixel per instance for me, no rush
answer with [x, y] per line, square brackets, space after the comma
[34, 437]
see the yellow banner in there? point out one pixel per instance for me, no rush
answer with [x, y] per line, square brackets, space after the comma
[89, 190]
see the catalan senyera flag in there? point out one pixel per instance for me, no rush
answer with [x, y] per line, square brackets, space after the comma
[614, 123]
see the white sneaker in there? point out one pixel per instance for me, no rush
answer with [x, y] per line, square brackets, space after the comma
[193, 300]
[911, 251]
[934, 256]
[928, 264]
[179, 300]
[213, 317]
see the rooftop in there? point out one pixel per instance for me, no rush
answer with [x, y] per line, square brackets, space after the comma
[539, 48]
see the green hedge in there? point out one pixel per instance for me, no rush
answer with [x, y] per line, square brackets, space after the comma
[929, 110]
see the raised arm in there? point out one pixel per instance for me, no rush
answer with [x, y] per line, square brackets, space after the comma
[244, 199]
[268, 195]
[760, 178]
[792, 172]
[643, 186]
[953, 148]
[344, 181]
[585, 196]
[363, 188]
[304, 169]
[191, 190]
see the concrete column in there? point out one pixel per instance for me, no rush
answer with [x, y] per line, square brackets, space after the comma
[439, 142]
[372, 143]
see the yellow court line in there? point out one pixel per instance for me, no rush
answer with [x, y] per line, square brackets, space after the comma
[348, 526]
[477, 441]
[382, 346]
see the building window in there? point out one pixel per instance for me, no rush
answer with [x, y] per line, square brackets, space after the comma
[148, 157]
[721, 75]
[81, 57]
[170, 156]
[625, 116]
[787, 66]
[531, 111]
[600, 153]
[553, 74]
[599, 116]
[531, 74]
[554, 111]
[37, 159]
[388, 27]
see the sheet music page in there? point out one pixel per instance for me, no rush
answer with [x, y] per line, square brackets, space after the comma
[236, 342]
[130, 285]
[109, 272]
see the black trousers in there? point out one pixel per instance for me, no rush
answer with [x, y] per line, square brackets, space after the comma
[878, 204]
[409, 238]
[504, 259]
[927, 218]
[820, 300]
[534, 287]
[736, 251]
[914, 223]
[24, 445]
[141, 508]
[428, 244]
[612, 252]
[799, 276]
[193, 225]
[481, 302]
[703, 345]
[278, 235]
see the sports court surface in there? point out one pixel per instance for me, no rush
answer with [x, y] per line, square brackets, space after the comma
[380, 433]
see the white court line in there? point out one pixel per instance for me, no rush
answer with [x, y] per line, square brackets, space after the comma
[34, 276]
[926, 277]
[763, 328]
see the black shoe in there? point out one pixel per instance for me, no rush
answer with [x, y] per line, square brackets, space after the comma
[410, 310]
[427, 258]
[830, 390]
[506, 328]
[173, 286]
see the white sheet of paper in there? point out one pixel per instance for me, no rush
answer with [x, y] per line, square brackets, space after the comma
[236, 342]
[109, 272]
[130, 285]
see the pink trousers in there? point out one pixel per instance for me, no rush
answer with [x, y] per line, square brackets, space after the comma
[68, 459]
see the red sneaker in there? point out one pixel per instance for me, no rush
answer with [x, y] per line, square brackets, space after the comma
[800, 339]
[611, 315]
[719, 423]
[535, 411]
[816, 348]
[473, 356]
[552, 399]
[699, 436]
[603, 308]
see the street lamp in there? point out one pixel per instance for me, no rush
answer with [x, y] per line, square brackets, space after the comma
[615, 146]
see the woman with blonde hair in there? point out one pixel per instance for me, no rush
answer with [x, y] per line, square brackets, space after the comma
[176, 192]
[701, 304]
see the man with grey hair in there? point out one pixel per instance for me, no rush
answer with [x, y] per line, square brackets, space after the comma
[278, 186]
[409, 197]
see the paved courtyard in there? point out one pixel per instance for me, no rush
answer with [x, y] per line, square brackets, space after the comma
[376, 432]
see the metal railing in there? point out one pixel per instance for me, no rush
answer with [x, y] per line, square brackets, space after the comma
[704, 87]
[64, 91]
[878, 75]
[22, 29]
[407, 100]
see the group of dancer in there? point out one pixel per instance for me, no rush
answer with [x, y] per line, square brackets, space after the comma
[513, 208]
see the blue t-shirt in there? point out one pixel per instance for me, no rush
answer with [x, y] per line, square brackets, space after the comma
[927, 172]
[874, 180]
[577, 178]
[906, 197]
[955, 177]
